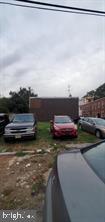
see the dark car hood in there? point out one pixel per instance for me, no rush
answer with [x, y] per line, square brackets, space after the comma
[83, 192]
[19, 125]
[64, 125]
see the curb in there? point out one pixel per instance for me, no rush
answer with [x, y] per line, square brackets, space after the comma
[15, 153]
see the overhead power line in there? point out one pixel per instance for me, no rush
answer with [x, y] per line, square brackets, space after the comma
[50, 9]
[61, 6]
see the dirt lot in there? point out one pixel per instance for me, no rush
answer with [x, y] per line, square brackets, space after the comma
[23, 180]
[23, 177]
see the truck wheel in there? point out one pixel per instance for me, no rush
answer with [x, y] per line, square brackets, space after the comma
[6, 140]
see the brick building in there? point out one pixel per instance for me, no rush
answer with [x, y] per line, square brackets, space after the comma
[93, 108]
[46, 108]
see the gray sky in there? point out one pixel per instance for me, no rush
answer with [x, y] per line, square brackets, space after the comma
[49, 50]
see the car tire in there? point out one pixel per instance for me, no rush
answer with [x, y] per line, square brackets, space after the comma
[98, 134]
[53, 136]
[6, 140]
[76, 137]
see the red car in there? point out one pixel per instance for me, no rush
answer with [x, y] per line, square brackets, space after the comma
[63, 126]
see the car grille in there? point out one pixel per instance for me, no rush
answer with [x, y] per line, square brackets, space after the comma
[22, 130]
[66, 130]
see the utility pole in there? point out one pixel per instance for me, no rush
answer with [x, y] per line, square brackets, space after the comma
[69, 91]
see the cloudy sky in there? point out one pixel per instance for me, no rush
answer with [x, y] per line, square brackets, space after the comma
[49, 50]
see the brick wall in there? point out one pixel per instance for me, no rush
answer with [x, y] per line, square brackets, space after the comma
[93, 108]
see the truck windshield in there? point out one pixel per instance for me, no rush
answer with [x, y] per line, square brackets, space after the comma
[23, 118]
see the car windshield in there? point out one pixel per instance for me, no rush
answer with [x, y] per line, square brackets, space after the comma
[62, 119]
[96, 159]
[99, 121]
[23, 118]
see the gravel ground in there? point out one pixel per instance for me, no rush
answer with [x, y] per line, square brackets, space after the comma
[23, 179]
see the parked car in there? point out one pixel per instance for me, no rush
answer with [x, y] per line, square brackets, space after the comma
[63, 126]
[76, 186]
[80, 120]
[94, 125]
[22, 126]
[4, 120]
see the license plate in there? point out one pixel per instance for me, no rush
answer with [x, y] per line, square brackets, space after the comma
[17, 136]
[67, 131]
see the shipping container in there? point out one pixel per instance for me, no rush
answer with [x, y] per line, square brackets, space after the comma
[46, 108]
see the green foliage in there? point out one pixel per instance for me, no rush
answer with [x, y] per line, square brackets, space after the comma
[21, 153]
[98, 93]
[4, 105]
[90, 93]
[19, 101]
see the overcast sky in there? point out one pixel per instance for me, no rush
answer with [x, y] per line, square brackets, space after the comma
[49, 50]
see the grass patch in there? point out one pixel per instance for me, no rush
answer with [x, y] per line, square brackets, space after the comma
[44, 140]
[84, 137]
[21, 153]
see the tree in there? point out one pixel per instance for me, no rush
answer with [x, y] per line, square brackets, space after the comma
[98, 93]
[19, 101]
[90, 94]
[4, 105]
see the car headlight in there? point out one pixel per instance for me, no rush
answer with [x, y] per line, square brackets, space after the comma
[56, 128]
[31, 129]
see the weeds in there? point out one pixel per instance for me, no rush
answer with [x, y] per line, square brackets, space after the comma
[38, 185]
[20, 153]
